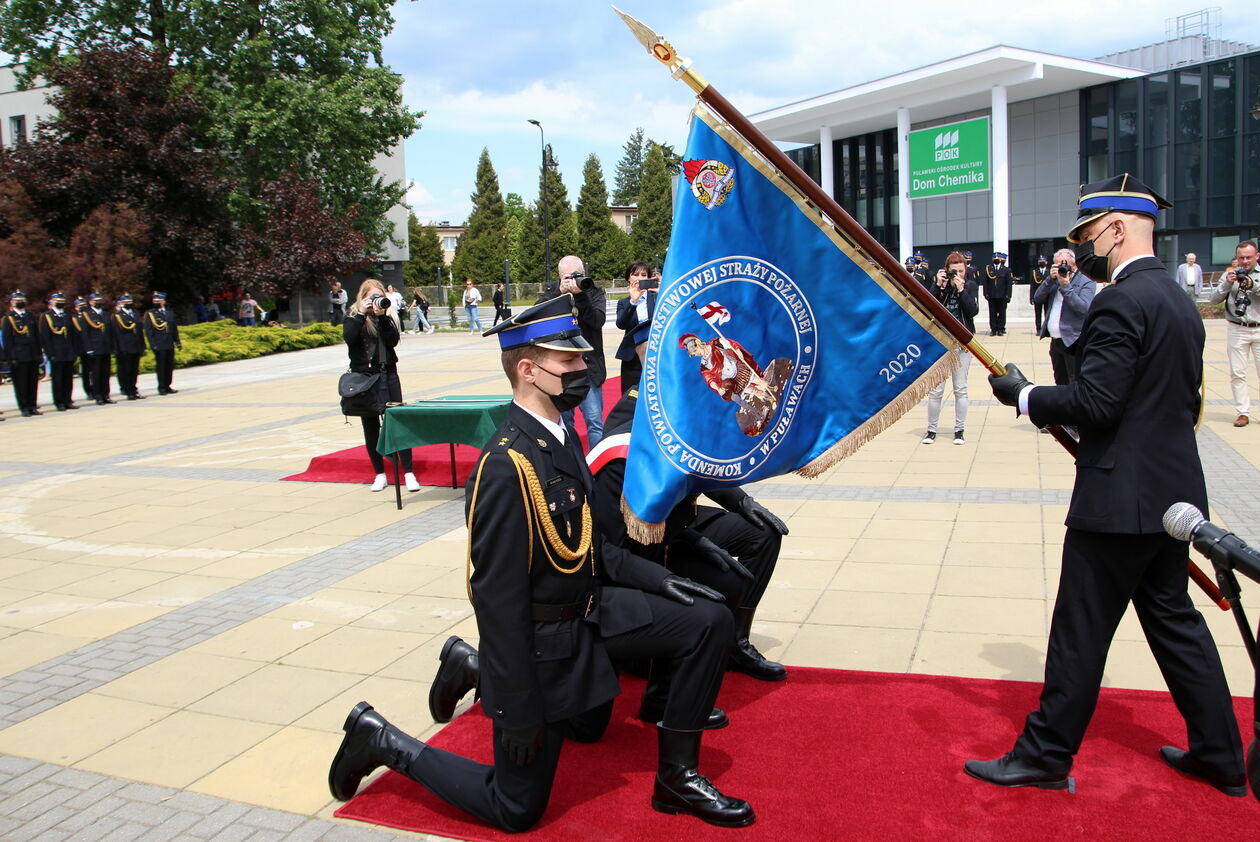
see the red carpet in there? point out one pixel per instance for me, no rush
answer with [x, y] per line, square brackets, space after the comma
[432, 463]
[833, 754]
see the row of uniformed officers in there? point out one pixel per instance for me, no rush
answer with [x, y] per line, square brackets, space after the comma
[88, 334]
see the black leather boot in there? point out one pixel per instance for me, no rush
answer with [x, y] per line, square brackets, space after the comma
[679, 788]
[457, 674]
[745, 658]
[370, 742]
[656, 694]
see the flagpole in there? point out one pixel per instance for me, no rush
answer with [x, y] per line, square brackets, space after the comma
[680, 68]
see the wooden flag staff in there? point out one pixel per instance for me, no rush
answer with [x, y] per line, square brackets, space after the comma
[680, 68]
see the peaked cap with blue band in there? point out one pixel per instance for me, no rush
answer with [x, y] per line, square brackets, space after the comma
[552, 324]
[1119, 194]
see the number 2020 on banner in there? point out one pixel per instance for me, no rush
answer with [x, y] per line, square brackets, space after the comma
[904, 360]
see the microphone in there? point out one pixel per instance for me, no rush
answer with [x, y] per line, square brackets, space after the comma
[1185, 522]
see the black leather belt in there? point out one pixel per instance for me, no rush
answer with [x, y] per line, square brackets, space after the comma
[544, 613]
[1241, 323]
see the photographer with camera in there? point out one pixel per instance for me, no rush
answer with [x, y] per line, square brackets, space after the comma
[371, 331]
[1242, 336]
[959, 296]
[1066, 297]
[634, 316]
[592, 312]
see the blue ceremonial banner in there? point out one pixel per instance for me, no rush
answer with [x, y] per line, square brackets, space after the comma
[776, 345]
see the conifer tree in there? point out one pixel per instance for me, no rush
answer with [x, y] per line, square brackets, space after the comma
[595, 231]
[482, 248]
[421, 268]
[629, 171]
[652, 228]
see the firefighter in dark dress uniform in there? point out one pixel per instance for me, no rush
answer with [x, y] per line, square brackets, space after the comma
[85, 362]
[997, 291]
[23, 353]
[555, 605]
[94, 347]
[1135, 401]
[56, 334]
[163, 335]
[127, 341]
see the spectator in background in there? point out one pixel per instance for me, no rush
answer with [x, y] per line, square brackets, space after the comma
[1238, 290]
[337, 299]
[634, 315]
[212, 310]
[420, 311]
[501, 304]
[960, 297]
[1190, 275]
[1066, 297]
[472, 297]
[247, 312]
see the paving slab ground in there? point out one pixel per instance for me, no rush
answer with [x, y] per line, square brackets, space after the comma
[181, 634]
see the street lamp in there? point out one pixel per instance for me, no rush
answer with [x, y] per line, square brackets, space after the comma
[542, 200]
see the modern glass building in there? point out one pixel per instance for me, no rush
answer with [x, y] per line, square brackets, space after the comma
[1189, 128]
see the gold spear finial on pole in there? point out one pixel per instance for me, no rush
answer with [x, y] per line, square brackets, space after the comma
[664, 52]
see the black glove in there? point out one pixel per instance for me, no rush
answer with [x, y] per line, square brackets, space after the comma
[707, 551]
[1006, 387]
[521, 744]
[684, 590]
[759, 516]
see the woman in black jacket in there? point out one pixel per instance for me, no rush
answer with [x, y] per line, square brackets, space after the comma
[369, 330]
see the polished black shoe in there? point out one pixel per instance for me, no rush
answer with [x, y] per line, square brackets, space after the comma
[72, 406]
[26, 413]
[457, 674]
[370, 742]
[168, 391]
[680, 788]
[1234, 785]
[1009, 770]
[61, 407]
[652, 716]
[35, 411]
[746, 659]
[102, 402]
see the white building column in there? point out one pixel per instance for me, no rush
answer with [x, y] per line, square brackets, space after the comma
[826, 161]
[905, 213]
[1001, 173]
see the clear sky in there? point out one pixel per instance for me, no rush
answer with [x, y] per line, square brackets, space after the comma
[480, 69]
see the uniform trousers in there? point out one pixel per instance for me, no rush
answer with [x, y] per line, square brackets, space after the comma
[25, 384]
[1101, 574]
[515, 797]
[756, 547]
[164, 365]
[99, 366]
[631, 374]
[85, 374]
[997, 314]
[1063, 361]
[1037, 314]
[127, 369]
[62, 375]
[1241, 342]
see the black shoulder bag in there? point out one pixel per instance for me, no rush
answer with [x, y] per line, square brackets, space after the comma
[360, 394]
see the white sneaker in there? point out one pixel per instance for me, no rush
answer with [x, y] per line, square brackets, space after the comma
[410, 479]
[929, 437]
[379, 483]
[958, 437]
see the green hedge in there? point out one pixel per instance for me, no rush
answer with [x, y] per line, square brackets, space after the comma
[224, 340]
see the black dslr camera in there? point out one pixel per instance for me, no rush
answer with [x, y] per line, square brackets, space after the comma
[380, 302]
[584, 283]
[1064, 269]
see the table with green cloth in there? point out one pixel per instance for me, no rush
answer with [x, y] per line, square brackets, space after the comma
[450, 419]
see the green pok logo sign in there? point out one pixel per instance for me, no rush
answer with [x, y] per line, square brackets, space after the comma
[950, 159]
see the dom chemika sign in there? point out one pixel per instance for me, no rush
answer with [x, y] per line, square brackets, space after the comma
[950, 159]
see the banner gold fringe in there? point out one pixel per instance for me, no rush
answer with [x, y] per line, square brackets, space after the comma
[883, 419]
[640, 530]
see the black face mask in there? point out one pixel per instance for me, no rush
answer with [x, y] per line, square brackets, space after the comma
[575, 385]
[19, 305]
[1090, 264]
